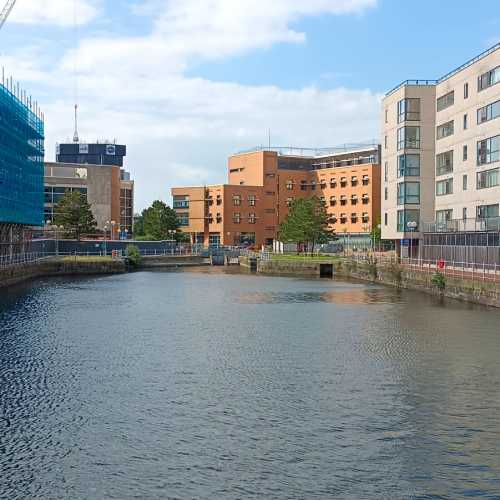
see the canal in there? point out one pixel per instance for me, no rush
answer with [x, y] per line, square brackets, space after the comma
[213, 384]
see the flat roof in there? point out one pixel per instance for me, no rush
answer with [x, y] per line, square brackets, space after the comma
[313, 153]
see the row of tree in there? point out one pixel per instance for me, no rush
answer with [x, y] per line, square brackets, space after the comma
[74, 215]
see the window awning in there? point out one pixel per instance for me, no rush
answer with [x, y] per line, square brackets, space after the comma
[354, 197]
[354, 178]
[365, 177]
[365, 196]
[343, 197]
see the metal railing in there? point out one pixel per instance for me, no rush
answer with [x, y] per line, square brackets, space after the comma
[462, 225]
[20, 259]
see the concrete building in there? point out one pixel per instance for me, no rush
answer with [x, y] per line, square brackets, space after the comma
[264, 182]
[441, 152]
[108, 189]
[21, 168]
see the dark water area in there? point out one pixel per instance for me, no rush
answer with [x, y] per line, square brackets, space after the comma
[218, 385]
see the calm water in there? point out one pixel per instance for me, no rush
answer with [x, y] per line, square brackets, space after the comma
[203, 384]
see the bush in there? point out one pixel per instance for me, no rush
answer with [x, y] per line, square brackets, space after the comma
[439, 281]
[395, 271]
[133, 255]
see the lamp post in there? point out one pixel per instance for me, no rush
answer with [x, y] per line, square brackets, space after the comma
[105, 236]
[171, 234]
[412, 226]
[112, 236]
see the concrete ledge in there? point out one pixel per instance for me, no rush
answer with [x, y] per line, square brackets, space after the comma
[59, 267]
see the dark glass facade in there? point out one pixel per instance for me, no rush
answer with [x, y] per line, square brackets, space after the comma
[21, 161]
[92, 154]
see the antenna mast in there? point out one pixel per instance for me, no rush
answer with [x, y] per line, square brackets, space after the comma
[76, 139]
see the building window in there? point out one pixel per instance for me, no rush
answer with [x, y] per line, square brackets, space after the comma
[252, 218]
[333, 201]
[343, 218]
[322, 201]
[466, 90]
[313, 185]
[464, 152]
[354, 181]
[252, 200]
[322, 183]
[354, 218]
[444, 163]
[386, 194]
[210, 218]
[385, 142]
[444, 187]
[303, 185]
[489, 112]
[385, 219]
[218, 218]
[183, 219]
[464, 213]
[343, 200]
[406, 216]
[181, 202]
[290, 185]
[464, 182]
[409, 137]
[488, 79]
[409, 109]
[236, 200]
[354, 199]
[443, 216]
[386, 116]
[386, 171]
[409, 193]
[289, 202]
[408, 165]
[487, 179]
[445, 101]
[444, 130]
[487, 211]
[218, 199]
[343, 182]
[333, 183]
[488, 150]
[365, 180]
[366, 199]
[365, 217]
[236, 217]
[465, 121]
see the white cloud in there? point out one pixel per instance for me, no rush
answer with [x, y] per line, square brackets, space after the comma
[180, 130]
[54, 12]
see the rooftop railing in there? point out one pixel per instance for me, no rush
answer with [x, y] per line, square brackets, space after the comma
[483, 54]
[315, 152]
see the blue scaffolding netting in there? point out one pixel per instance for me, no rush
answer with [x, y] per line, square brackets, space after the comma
[21, 159]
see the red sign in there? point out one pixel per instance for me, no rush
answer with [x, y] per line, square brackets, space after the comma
[441, 263]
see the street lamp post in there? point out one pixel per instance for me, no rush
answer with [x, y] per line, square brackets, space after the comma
[105, 236]
[412, 226]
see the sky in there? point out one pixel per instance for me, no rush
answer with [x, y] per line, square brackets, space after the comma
[186, 83]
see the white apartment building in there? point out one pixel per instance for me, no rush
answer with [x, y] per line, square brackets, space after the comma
[441, 152]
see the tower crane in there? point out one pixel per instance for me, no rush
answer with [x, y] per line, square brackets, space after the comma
[7, 9]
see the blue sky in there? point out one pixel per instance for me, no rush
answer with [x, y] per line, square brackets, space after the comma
[185, 83]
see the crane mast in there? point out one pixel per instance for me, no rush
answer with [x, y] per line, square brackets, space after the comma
[7, 9]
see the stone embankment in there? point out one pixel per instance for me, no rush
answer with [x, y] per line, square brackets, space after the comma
[155, 261]
[60, 267]
[478, 291]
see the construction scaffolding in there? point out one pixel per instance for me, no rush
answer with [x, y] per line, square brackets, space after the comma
[21, 157]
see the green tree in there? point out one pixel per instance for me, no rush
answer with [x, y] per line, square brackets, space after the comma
[156, 221]
[376, 233]
[306, 224]
[74, 214]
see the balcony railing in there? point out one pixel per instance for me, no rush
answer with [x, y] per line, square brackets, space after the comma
[462, 225]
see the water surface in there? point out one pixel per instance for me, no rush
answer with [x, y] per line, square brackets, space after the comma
[210, 384]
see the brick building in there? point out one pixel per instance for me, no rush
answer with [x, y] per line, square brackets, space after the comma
[263, 183]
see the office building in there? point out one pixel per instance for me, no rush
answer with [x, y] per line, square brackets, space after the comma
[262, 184]
[98, 153]
[21, 167]
[107, 188]
[441, 158]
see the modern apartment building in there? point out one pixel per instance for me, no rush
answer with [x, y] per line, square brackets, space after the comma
[441, 152]
[263, 184]
[21, 167]
[108, 189]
